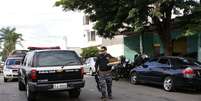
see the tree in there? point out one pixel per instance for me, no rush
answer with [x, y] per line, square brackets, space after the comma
[89, 52]
[10, 38]
[120, 16]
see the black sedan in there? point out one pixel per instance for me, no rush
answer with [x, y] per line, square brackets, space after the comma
[171, 72]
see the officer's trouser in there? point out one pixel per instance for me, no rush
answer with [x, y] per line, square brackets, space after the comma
[105, 80]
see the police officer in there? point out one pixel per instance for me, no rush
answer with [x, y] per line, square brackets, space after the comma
[104, 72]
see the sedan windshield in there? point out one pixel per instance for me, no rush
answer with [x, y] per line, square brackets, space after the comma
[13, 62]
[57, 58]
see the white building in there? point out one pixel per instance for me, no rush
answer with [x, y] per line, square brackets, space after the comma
[90, 36]
[115, 46]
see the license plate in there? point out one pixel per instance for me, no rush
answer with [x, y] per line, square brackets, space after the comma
[60, 86]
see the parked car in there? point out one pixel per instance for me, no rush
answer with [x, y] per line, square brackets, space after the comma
[89, 65]
[51, 70]
[11, 66]
[1, 66]
[171, 72]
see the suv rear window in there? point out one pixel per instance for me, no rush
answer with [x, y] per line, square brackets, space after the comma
[13, 62]
[57, 58]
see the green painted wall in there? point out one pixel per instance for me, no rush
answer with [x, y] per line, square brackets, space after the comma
[156, 40]
[131, 46]
[175, 35]
[192, 44]
[148, 44]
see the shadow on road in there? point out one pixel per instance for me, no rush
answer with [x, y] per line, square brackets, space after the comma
[55, 96]
[11, 81]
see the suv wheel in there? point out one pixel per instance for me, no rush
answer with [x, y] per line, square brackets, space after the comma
[21, 86]
[5, 79]
[75, 93]
[31, 96]
[134, 78]
[168, 84]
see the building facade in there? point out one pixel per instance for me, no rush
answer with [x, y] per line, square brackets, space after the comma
[90, 36]
[148, 43]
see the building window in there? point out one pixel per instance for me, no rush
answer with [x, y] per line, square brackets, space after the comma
[88, 35]
[91, 35]
[86, 20]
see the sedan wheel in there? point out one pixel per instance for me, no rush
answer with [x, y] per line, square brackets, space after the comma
[134, 78]
[168, 84]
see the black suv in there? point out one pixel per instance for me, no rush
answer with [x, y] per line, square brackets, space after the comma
[51, 70]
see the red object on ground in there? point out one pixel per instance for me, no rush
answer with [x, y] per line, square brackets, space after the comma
[41, 48]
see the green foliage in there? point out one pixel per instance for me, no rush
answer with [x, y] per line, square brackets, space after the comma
[89, 52]
[119, 16]
[128, 15]
[9, 37]
[191, 23]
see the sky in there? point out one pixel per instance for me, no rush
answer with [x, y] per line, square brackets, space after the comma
[41, 23]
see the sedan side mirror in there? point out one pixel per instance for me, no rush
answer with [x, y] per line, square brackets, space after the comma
[145, 66]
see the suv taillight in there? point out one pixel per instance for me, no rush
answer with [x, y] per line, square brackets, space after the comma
[188, 73]
[33, 74]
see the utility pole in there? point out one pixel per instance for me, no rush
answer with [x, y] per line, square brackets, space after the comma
[141, 44]
[141, 41]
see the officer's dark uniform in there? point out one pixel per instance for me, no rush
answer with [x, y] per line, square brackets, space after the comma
[104, 71]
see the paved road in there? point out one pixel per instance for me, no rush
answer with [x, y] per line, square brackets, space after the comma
[122, 91]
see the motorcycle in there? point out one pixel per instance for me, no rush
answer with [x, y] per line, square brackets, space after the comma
[121, 70]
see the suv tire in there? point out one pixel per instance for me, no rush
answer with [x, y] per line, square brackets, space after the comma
[21, 86]
[31, 96]
[75, 93]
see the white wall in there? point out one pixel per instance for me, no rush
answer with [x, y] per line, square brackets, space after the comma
[115, 46]
[87, 43]
[116, 50]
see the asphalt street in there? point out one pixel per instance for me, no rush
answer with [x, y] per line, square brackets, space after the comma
[122, 91]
